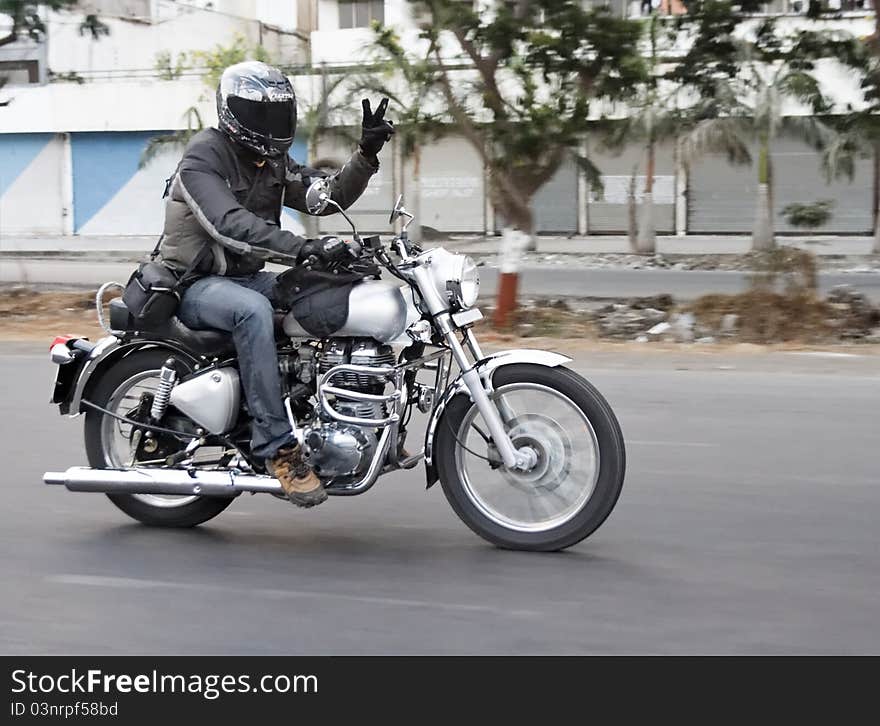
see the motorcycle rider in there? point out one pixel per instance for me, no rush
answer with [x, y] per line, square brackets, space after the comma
[226, 197]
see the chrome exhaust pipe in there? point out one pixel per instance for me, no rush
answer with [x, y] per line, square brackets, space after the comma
[162, 481]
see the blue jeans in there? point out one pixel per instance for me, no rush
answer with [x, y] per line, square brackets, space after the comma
[243, 307]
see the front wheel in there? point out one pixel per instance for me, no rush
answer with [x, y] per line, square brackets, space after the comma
[579, 469]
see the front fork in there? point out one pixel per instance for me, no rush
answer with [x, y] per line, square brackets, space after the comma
[494, 415]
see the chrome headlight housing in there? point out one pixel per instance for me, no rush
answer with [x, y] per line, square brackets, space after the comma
[455, 277]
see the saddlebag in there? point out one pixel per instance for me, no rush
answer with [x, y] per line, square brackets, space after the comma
[153, 291]
[152, 294]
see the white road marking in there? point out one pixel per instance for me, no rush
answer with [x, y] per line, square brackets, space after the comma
[674, 444]
[146, 584]
[825, 354]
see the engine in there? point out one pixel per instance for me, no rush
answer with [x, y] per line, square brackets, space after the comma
[336, 449]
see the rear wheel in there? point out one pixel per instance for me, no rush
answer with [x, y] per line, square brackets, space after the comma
[579, 460]
[108, 443]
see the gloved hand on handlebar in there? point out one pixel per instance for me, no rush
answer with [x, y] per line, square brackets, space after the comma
[326, 252]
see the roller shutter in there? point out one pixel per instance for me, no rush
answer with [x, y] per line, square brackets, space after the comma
[555, 204]
[608, 210]
[451, 184]
[721, 197]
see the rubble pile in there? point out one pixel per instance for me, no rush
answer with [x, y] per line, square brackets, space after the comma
[852, 316]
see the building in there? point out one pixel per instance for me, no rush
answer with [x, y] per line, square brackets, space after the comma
[77, 113]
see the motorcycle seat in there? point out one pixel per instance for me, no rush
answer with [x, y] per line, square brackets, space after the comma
[202, 342]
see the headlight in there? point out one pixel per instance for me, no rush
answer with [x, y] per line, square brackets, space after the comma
[469, 283]
[455, 277]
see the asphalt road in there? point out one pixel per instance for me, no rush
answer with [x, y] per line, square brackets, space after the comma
[748, 524]
[547, 280]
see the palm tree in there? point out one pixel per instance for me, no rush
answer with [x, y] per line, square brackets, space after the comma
[770, 87]
[178, 138]
[213, 62]
[409, 83]
[315, 120]
[858, 136]
[749, 79]
[93, 26]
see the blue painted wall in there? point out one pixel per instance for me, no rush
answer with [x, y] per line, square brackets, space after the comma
[103, 162]
[17, 151]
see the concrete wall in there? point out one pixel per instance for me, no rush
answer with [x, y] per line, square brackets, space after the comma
[32, 184]
[90, 183]
[132, 47]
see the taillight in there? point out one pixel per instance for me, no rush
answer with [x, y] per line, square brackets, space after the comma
[61, 340]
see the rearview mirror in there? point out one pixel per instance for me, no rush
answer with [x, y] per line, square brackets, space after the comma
[398, 209]
[318, 196]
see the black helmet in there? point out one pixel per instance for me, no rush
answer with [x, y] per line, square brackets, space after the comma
[256, 107]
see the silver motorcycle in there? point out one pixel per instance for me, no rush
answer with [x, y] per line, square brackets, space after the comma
[528, 453]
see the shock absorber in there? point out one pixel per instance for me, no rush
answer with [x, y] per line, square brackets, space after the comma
[167, 379]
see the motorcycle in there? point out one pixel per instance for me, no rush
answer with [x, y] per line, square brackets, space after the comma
[528, 453]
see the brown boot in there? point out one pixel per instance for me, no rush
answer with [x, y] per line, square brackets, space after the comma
[299, 482]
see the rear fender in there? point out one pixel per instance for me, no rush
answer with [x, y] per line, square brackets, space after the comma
[486, 367]
[105, 353]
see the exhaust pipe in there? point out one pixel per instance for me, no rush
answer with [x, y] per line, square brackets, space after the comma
[162, 481]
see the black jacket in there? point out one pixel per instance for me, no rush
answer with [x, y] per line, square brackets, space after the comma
[220, 196]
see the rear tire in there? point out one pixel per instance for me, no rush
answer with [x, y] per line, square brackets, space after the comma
[187, 514]
[608, 483]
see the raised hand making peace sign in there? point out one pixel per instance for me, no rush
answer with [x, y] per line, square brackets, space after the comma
[376, 129]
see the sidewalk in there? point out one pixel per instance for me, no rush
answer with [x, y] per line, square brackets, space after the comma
[669, 245]
[135, 247]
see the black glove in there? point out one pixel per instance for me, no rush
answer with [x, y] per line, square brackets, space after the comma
[325, 252]
[376, 129]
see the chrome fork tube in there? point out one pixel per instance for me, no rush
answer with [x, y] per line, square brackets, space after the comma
[472, 344]
[512, 458]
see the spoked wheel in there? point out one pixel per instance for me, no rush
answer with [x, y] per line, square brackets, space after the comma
[109, 443]
[578, 460]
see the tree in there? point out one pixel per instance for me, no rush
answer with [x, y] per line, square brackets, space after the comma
[664, 109]
[534, 70]
[410, 82]
[858, 135]
[212, 63]
[93, 26]
[179, 138]
[749, 81]
[315, 118]
[26, 19]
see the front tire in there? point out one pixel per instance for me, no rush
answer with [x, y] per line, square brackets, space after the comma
[580, 470]
[153, 510]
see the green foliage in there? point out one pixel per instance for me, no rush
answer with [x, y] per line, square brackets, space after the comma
[93, 26]
[314, 120]
[67, 77]
[26, 20]
[410, 83]
[537, 68]
[169, 68]
[179, 139]
[214, 62]
[745, 81]
[809, 215]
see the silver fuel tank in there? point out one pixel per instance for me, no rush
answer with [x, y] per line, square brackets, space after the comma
[377, 309]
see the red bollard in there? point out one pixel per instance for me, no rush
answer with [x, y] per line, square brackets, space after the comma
[513, 244]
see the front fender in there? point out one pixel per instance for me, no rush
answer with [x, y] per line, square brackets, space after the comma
[486, 368]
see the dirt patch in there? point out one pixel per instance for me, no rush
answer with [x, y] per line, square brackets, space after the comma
[764, 316]
[26, 314]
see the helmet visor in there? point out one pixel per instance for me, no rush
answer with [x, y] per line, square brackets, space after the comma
[273, 119]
